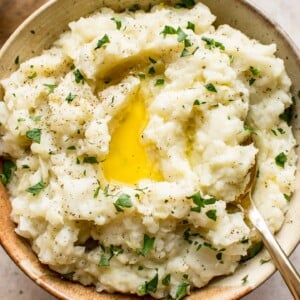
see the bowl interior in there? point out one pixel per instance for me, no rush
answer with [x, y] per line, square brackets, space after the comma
[51, 20]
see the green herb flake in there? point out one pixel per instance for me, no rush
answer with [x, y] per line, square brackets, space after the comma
[287, 197]
[167, 279]
[264, 261]
[71, 148]
[118, 23]
[147, 247]
[34, 135]
[253, 251]
[231, 59]
[280, 130]
[211, 43]
[181, 35]
[281, 159]
[219, 256]
[191, 26]
[25, 167]
[8, 168]
[36, 118]
[181, 291]
[78, 76]
[212, 214]
[159, 82]
[17, 60]
[251, 81]
[249, 128]
[200, 202]
[51, 87]
[210, 246]
[151, 70]
[287, 115]
[102, 42]
[168, 30]
[70, 97]
[96, 193]
[33, 75]
[123, 201]
[184, 53]
[105, 191]
[254, 71]
[104, 261]
[210, 87]
[149, 286]
[90, 160]
[185, 4]
[245, 279]
[37, 188]
[245, 240]
[152, 60]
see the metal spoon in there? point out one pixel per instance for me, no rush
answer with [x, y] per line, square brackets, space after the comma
[281, 261]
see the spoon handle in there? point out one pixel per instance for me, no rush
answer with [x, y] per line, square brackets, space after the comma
[281, 261]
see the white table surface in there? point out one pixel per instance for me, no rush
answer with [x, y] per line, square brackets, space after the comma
[15, 285]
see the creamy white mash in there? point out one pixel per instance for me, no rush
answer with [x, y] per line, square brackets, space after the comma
[126, 148]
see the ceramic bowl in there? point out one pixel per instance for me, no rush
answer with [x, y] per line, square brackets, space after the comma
[51, 20]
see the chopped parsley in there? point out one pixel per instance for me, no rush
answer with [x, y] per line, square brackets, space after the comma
[51, 87]
[71, 148]
[96, 193]
[231, 59]
[168, 30]
[253, 250]
[200, 202]
[287, 197]
[33, 75]
[34, 135]
[184, 53]
[147, 247]
[159, 82]
[210, 87]
[151, 70]
[185, 4]
[78, 76]
[181, 35]
[254, 71]
[196, 102]
[17, 60]
[264, 261]
[219, 256]
[37, 188]
[149, 286]
[191, 26]
[287, 115]
[249, 128]
[181, 290]
[8, 167]
[36, 118]
[102, 42]
[123, 201]
[281, 159]
[90, 160]
[245, 279]
[211, 43]
[251, 81]
[212, 214]
[104, 261]
[152, 60]
[142, 75]
[166, 281]
[70, 97]
[118, 23]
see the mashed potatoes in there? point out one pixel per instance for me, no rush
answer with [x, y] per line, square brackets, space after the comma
[126, 148]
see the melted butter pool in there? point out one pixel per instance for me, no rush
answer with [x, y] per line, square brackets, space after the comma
[128, 161]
